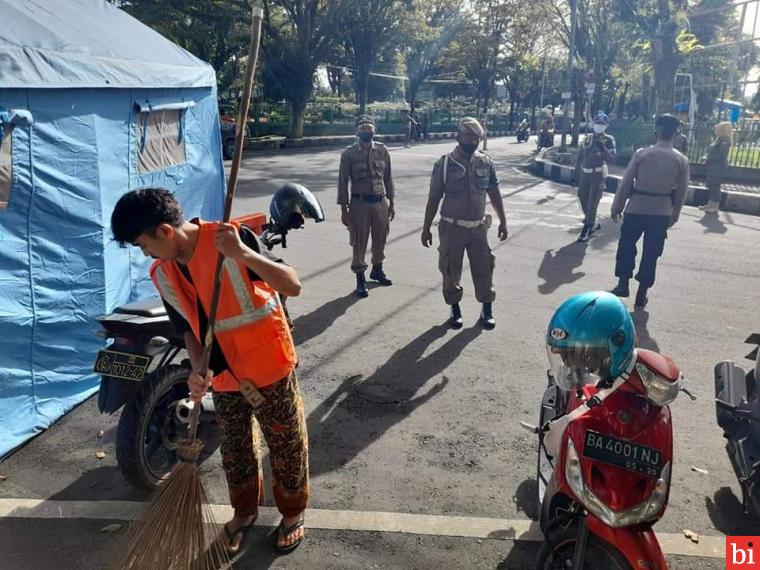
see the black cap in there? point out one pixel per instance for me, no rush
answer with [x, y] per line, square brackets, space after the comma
[365, 120]
[668, 121]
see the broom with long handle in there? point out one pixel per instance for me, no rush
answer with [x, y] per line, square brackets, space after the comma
[173, 532]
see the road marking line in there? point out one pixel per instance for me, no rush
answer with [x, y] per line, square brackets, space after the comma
[367, 521]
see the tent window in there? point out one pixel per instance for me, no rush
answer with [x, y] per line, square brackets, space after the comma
[5, 167]
[160, 141]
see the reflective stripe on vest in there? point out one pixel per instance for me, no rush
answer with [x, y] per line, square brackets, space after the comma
[248, 313]
[167, 292]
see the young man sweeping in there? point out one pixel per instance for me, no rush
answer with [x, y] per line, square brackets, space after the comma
[252, 344]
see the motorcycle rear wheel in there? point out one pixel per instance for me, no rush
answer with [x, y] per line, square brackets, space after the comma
[142, 454]
[599, 554]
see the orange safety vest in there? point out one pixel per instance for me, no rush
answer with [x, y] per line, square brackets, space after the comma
[251, 327]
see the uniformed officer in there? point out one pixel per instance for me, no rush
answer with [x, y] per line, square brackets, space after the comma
[462, 179]
[368, 209]
[651, 193]
[680, 141]
[597, 150]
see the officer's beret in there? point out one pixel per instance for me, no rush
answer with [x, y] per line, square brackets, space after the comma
[364, 120]
[667, 120]
[471, 126]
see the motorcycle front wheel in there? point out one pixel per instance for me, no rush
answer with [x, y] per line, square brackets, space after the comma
[143, 454]
[558, 555]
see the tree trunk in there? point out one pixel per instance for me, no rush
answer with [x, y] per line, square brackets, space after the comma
[577, 119]
[296, 120]
[511, 112]
[665, 53]
[621, 101]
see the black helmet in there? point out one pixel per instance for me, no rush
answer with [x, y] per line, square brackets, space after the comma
[291, 204]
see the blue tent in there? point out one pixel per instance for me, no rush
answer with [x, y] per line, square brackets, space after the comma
[92, 104]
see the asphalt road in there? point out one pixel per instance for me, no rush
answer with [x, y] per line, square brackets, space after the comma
[408, 417]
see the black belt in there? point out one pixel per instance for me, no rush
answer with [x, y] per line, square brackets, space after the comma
[372, 198]
[657, 194]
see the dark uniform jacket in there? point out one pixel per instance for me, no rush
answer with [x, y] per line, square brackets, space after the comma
[368, 169]
[654, 182]
[468, 181]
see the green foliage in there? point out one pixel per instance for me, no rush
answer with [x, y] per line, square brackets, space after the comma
[216, 31]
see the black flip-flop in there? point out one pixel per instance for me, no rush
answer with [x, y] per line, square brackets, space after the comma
[283, 531]
[243, 532]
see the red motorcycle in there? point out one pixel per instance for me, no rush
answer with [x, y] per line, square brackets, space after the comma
[604, 466]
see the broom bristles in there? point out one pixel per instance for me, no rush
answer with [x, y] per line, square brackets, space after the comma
[176, 530]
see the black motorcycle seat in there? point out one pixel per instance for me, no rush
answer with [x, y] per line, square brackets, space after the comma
[151, 307]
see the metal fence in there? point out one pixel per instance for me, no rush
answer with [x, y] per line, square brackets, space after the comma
[745, 152]
[338, 119]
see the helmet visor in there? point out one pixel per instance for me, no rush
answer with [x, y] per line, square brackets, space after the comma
[573, 367]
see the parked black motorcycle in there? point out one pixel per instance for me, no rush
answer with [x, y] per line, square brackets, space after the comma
[737, 407]
[145, 369]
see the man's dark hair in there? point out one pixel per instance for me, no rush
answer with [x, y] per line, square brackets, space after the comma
[666, 132]
[142, 211]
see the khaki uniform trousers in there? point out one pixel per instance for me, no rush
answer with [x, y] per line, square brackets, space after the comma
[590, 190]
[368, 218]
[454, 241]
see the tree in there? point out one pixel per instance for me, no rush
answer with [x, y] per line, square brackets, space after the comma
[661, 23]
[372, 26]
[299, 35]
[428, 26]
[216, 31]
[480, 48]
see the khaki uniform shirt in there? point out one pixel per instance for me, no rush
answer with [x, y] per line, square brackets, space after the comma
[658, 169]
[596, 151]
[468, 181]
[368, 169]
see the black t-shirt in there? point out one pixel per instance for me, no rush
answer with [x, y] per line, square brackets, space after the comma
[217, 361]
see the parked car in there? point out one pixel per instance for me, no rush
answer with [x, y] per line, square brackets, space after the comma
[228, 136]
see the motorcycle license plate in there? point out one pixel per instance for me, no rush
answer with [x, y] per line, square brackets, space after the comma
[631, 456]
[121, 365]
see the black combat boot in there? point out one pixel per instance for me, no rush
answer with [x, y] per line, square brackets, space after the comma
[585, 233]
[377, 274]
[621, 290]
[641, 298]
[455, 320]
[361, 285]
[486, 317]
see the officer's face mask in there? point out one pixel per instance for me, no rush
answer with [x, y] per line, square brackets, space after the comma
[468, 148]
[365, 136]
[599, 129]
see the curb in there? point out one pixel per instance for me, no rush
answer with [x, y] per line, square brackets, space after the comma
[741, 202]
[346, 140]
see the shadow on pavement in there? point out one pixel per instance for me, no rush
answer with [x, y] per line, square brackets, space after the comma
[559, 267]
[361, 411]
[712, 224]
[522, 556]
[319, 320]
[644, 339]
[727, 514]
[526, 498]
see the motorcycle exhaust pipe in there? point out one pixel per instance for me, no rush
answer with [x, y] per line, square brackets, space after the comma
[185, 408]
